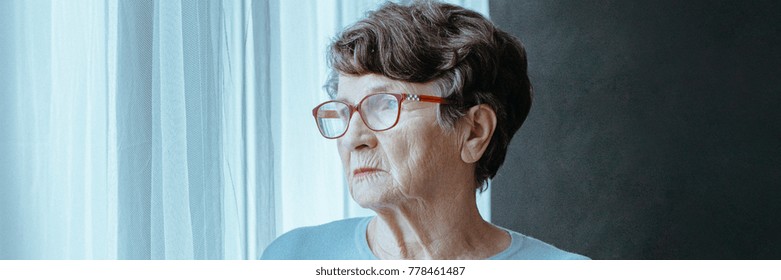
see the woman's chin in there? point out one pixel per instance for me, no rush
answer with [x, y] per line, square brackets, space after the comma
[370, 192]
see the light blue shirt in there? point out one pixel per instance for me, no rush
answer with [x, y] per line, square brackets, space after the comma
[346, 240]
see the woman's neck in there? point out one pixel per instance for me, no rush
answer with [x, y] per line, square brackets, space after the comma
[441, 229]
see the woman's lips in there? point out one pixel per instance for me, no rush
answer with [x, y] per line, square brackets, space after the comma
[365, 171]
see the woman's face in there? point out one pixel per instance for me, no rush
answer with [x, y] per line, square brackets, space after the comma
[413, 161]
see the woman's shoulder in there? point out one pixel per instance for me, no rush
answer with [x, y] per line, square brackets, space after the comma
[313, 242]
[524, 247]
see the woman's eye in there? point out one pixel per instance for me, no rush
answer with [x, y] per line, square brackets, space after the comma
[390, 105]
[343, 113]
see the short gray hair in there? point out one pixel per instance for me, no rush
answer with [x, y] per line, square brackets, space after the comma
[469, 59]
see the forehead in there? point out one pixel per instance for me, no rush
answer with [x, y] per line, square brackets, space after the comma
[354, 88]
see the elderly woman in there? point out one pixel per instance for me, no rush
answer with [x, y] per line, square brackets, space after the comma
[425, 100]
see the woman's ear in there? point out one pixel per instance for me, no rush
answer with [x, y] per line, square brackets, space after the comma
[480, 121]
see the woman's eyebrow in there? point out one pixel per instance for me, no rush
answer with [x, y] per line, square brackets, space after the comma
[380, 88]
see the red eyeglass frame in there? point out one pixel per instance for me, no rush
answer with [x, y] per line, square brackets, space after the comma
[400, 97]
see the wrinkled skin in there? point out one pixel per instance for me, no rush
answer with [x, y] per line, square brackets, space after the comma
[418, 177]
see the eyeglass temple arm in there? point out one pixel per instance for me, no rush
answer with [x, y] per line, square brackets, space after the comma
[426, 98]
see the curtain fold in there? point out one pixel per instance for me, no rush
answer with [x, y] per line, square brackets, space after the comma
[134, 128]
[264, 21]
[9, 246]
[170, 176]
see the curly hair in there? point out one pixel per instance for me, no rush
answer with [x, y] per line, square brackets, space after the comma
[469, 60]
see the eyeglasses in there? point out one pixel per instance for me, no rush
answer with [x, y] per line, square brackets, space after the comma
[379, 111]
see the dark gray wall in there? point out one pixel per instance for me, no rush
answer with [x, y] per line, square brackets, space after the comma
[654, 133]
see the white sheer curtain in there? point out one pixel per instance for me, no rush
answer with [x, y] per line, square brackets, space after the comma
[55, 139]
[134, 130]
[165, 129]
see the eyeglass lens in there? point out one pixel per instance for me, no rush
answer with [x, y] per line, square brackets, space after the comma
[379, 112]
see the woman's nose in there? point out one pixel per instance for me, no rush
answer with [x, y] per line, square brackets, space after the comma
[358, 135]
